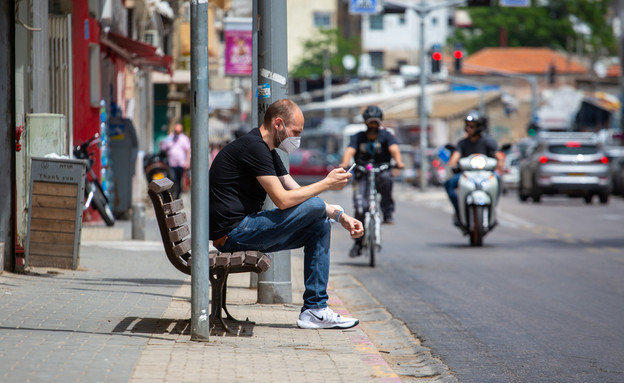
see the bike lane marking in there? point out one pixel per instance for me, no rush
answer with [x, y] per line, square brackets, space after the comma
[370, 356]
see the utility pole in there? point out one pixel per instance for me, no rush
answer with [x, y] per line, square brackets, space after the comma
[270, 79]
[200, 246]
[620, 12]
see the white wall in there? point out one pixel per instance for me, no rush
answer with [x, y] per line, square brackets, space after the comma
[406, 37]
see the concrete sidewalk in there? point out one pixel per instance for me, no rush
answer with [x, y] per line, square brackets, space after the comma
[271, 350]
[124, 316]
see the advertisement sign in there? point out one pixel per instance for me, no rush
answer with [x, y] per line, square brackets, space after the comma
[238, 52]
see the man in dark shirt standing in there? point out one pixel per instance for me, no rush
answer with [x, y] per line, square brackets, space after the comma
[241, 176]
[474, 142]
[378, 146]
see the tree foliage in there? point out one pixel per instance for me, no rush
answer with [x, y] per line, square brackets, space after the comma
[330, 41]
[539, 26]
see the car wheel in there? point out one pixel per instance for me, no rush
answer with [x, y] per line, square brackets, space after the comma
[521, 194]
[535, 195]
[588, 198]
[604, 198]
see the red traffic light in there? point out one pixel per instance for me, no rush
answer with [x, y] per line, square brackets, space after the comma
[437, 56]
[458, 54]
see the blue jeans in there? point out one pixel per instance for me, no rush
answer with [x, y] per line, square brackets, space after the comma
[305, 225]
[450, 185]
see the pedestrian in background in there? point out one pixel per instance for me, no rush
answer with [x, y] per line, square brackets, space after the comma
[178, 148]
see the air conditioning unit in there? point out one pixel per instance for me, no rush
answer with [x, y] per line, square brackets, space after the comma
[151, 37]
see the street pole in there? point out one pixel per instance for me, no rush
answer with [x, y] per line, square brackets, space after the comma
[422, 110]
[327, 83]
[620, 12]
[274, 285]
[200, 246]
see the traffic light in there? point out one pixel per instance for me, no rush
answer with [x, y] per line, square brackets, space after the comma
[436, 61]
[458, 55]
[532, 129]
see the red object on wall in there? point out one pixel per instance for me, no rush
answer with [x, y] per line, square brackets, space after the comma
[85, 31]
[18, 135]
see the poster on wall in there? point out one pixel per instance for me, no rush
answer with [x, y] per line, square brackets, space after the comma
[238, 53]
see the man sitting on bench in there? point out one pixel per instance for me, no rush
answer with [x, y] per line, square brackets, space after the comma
[241, 176]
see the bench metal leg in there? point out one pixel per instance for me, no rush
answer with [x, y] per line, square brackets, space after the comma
[219, 301]
[218, 282]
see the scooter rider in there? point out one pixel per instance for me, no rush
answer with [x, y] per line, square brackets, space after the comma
[475, 141]
[376, 145]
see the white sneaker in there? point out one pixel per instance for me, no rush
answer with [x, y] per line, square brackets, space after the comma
[324, 318]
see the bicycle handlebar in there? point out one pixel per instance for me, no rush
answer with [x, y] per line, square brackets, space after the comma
[375, 169]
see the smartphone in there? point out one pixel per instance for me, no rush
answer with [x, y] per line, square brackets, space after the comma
[351, 168]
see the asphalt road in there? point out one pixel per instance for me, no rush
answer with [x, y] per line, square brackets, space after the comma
[541, 301]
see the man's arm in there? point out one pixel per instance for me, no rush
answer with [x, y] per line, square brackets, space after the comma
[452, 162]
[500, 158]
[284, 192]
[352, 225]
[395, 152]
[347, 156]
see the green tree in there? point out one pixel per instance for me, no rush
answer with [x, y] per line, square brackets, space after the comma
[538, 26]
[336, 46]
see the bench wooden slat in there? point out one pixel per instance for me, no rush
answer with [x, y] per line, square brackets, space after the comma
[173, 207]
[264, 263]
[251, 257]
[179, 233]
[159, 186]
[237, 258]
[223, 259]
[176, 220]
[182, 247]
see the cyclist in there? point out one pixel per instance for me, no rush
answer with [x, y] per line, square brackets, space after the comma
[376, 145]
[475, 141]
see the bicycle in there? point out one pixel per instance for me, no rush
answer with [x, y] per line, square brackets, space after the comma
[372, 218]
[94, 193]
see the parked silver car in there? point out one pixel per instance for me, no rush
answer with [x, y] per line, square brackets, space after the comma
[571, 163]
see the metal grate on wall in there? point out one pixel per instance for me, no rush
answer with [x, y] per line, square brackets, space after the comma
[61, 93]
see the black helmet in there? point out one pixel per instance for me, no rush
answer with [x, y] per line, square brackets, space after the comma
[372, 111]
[480, 119]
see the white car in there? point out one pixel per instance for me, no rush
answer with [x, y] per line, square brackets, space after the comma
[511, 171]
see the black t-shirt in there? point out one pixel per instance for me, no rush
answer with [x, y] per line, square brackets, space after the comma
[375, 151]
[485, 145]
[234, 190]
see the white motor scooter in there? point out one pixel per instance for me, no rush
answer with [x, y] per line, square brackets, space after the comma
[477, 195]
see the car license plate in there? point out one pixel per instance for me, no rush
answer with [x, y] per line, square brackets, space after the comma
[576, 174]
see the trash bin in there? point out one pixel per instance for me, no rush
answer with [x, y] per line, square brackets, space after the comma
[55, 212]
[123, 146]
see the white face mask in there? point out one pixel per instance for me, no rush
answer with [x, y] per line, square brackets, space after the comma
[290, 144]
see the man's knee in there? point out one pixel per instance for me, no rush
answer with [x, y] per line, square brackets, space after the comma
[315, 206]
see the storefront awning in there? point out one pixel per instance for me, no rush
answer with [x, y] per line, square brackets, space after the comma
[136, 53]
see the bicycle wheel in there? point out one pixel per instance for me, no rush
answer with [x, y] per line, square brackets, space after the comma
[100, 204]
[372, 242]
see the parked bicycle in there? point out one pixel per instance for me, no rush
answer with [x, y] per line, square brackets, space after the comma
[94, 193]
[372, 218]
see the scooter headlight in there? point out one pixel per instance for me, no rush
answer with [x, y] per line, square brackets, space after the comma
[477, 162]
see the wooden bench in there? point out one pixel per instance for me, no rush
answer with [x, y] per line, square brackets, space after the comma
[176, 238]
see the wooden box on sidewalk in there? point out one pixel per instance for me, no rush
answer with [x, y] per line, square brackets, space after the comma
[55, 212]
